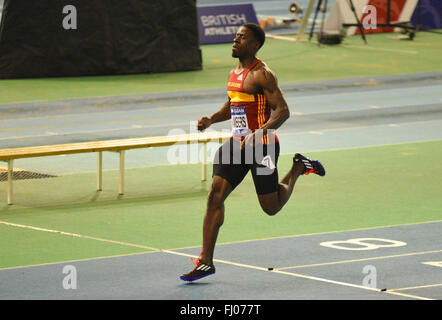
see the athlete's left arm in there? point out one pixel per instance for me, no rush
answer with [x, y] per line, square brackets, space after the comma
[266, 80]
[274, 97]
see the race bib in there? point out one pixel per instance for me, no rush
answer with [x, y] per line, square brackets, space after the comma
[240, 125]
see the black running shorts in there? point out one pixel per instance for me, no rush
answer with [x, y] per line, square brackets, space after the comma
[233, 163]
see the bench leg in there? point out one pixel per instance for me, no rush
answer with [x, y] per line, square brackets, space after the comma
[121, 186]
[203, 162]
[10, 171]
[99, 171]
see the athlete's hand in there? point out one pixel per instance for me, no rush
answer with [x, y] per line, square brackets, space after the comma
[254, 138]
[248, 140]
[203, 123]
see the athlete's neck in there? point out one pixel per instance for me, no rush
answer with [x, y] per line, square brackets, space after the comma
[245, 63]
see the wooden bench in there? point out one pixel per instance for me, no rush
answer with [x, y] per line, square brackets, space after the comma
[120, 146]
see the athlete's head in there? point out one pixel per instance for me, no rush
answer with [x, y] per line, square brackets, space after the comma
[249, 39]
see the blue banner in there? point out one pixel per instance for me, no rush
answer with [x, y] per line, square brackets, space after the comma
[219, 24]
[428, 14]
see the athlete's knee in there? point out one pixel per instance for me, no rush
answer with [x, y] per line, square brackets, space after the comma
[215, 198]
[269, 204]
[215, 208]
[219, 191]
[271, 211]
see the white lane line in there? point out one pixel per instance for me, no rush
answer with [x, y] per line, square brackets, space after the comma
[76, 235]
[75, 99]
[399, 92]
[216, 260]
[292, 133]
[52, 134]
[346, 284]
[321, 233]
[418, 287]
[381, 49]
[298, 275]
[333, 110]
[360, 260]
[186, 123]
[208, 105]
[367, 146]
[99, 113]
[274, 36]
[77, 260]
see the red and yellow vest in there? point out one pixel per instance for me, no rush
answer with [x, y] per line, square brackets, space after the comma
[248, 111]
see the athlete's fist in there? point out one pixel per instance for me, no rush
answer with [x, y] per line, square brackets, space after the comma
[203, 123]
[248, 140]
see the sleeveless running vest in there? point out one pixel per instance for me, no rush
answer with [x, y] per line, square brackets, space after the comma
[248, 111]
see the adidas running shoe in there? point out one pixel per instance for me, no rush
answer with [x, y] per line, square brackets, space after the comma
[201, 270]
[311, 166]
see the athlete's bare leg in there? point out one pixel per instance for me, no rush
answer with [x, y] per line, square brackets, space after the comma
[214, 217]
[272, 203]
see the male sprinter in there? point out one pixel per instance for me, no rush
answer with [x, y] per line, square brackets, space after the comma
[257, 107]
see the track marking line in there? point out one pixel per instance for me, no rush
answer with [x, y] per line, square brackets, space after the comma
[94, 131]
[360, 85]
[206, 105]
[74, 99]
[360, 260]
[298, 275]
[216, 260]
[281, 154]
[321, 233]
[381, 49]
[337, 129]
[286, 133]
[274, 36]
[77, 260]
[309, 234]
[111, 112]
[76, 235]
[350, 285]
[417, 287]
[356, 109]
[68, 100]
[407, 295]
[433, 263]
[367, 146]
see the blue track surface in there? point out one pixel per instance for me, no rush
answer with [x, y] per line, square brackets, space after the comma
[303, 269]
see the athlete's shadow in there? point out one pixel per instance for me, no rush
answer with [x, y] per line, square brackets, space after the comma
[194, 284]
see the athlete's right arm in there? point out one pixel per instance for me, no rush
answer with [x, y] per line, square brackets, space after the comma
[222, 114]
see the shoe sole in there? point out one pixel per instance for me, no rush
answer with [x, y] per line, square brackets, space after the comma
[194, 279]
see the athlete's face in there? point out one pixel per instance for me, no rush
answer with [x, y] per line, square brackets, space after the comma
[244, 44]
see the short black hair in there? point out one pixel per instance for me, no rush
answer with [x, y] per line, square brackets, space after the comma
[257, 31]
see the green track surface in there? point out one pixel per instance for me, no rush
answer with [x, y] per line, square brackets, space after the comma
[293, 62]
[163, 207]
[363, 188]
